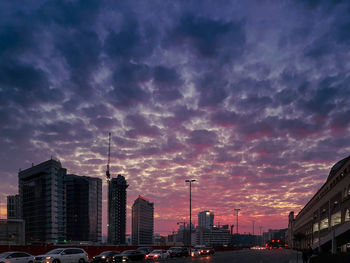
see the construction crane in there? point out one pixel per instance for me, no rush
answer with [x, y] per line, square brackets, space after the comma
[108, 175]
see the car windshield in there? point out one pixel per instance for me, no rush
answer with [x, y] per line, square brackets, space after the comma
[4, 255]
[156, 252]
[54, 252]
[107, 253]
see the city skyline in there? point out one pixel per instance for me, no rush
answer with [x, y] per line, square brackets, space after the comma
[250, 99]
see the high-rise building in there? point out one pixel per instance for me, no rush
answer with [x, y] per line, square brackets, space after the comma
[117, 210]
[142, 222]
[42, 197]
[205, 219]
[84, 208]
[13, 207]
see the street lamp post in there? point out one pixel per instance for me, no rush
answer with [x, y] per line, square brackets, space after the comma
[237, 210]
[190, 181]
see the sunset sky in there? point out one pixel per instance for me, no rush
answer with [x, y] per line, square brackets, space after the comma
[250, 98]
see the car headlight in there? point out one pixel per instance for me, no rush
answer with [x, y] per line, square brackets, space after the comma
[103, 257]
[48, 257]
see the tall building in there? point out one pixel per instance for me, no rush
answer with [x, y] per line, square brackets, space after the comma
[42, 197]
[13, 207]
[205, 219]
[142, 222]
[84, 208]
[117, 210]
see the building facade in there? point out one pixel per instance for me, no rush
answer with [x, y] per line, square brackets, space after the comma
[142, 222]
[42, 197]
[324, 222]
[213, 236]
[205, 219]
[13, 207]
[117, 210]
[84, 208]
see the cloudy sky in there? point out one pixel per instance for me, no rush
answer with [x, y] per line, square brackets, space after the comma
[250, 98]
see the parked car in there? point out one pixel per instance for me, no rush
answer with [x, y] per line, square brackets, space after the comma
[105, 256]
[63, 255]
[178, 252]
[158, 254]
[129, 255]
[207, 251]
[145, 250]
[16, 257]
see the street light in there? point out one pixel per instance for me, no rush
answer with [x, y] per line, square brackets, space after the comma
[237, 210]
[190, 181]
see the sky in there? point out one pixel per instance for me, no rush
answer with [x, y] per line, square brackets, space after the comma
[250, 98]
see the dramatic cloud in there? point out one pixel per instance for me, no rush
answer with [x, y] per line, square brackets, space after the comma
[250, 99]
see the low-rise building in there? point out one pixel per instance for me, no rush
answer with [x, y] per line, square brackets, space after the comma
[12, 232]
[324, 222]
[213, 236]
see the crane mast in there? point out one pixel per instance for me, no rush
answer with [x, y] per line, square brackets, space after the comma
[108, 175]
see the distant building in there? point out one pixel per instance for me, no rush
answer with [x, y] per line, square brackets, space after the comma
[205, 219]
[12, 232]
[142, 222]
[42, 196]
[324, 222]
[13, 207]
[117, 210]
[84, 208]
[213, 236]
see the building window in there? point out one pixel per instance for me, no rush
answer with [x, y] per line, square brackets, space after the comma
[324, 223]
[347, 215]
[316, 228]
[336, 219]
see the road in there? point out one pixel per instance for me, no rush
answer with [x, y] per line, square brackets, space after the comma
[243, 256]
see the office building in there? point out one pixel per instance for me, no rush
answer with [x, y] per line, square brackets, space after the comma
[212, 236]
[117, 210]
[205, 219]
[42, 197]
[324, 222]
[13, 207]
[142, 222]
[84, 208]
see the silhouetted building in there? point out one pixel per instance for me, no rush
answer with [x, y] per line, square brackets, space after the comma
[117, 210]
[142, 222]
[12, 232]
[13, 207]
[84, 208]
[42, 197]
[205, 219]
